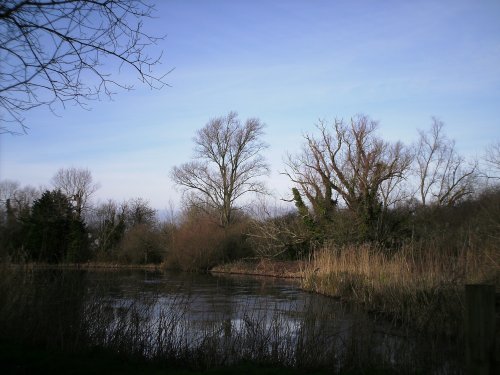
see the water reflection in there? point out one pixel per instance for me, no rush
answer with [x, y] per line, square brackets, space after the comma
[263, 315]
[209, 321]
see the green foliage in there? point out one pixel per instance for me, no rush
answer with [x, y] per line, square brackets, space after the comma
[11, 235]
[368, 212]
[78, 244]
[234, 244]
[52, 231]
[302, 209]
[472, 223]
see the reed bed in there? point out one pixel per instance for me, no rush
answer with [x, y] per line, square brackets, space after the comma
[262, 267]
[416, 286]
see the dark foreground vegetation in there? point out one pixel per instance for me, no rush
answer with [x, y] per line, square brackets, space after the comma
[23, 359]
[17, 359]
[399, 229]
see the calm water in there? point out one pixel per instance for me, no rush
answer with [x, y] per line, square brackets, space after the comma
[207, 299]
[244, 313]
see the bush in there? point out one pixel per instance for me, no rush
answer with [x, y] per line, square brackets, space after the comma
[141, 244]
[199, 243]
[196, 246]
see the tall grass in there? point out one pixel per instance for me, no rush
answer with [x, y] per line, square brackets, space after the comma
[418, 286]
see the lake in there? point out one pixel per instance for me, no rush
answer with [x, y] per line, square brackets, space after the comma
[220, 319]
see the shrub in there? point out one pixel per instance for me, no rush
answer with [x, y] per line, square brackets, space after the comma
[141, 244]
[196, 245]
[199, 243]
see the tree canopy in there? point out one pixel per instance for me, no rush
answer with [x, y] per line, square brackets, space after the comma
[347, 164]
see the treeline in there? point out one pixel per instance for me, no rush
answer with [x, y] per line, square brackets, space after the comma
[61, 225]
[349, 186]
[53, 226]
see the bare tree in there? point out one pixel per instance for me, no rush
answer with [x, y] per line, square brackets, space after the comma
[25, 197]
[348, 165]
[227, 164]
[313, 176]
[444, 177]
[395, 191]
[107, 225]
[8, 189]
[60, 50]
[276, 236]
[492, 159]
[139, 212]
[78, 185]
[20, 199]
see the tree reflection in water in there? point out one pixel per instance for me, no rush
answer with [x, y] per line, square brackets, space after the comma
[204, 321]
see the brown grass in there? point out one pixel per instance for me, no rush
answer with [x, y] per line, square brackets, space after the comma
[420, 288]
[263, 267]
[86, 266]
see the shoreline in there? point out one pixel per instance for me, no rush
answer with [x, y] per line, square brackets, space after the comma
[263, 268]
[88, 266]
[260, 268]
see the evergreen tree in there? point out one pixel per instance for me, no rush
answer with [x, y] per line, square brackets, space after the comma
[11, 234]
[53, 232]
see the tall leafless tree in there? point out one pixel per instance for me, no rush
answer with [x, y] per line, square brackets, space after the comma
[18, 198]
[61, 50]
[78, 185]
[8, 189]
[227, 165]
[139, 212]
[492, 159]
[348, 165]
[444, 177]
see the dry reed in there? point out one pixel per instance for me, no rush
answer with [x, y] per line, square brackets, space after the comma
[416, 286]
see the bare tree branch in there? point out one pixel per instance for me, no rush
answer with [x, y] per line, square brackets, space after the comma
[492, 159]
[351, 163]
[59, 51]
[444, 178]
[78, 185]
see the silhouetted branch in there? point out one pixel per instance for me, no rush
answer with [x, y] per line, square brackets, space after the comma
[58, 52]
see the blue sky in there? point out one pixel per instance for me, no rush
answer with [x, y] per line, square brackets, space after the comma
[289, 63]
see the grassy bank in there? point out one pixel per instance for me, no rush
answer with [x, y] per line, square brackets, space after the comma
[263, 267]
[87, 266]
[419, 288]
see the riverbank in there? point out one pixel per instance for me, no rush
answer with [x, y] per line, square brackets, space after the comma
[415, 288]
[264, 267]
[89, 266]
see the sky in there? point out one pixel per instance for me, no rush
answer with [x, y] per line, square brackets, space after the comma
[289, 63]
